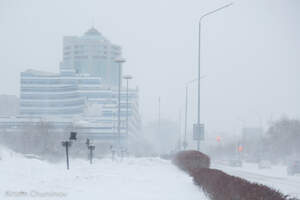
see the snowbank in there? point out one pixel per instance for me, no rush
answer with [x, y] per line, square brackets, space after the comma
[132, 178]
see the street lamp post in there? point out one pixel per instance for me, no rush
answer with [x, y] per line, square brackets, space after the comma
[179, 127]
[114, 127]
[67, 144]
[199, 56]
[158, 115]
[91, 148]
[87, 143]
[185, 118]
[127, 78]
[185, 144]
[119, 61]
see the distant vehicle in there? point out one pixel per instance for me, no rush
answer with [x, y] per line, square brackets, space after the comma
[167, 156]
[235, 163]
[264, 164]
[32, 156]
[293, 168]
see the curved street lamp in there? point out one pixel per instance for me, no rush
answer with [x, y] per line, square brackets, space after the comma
[199, 55]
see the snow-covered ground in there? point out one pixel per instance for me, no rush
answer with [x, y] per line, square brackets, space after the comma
[133, 178]
[275, 177]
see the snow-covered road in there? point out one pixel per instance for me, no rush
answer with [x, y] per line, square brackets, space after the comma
[275, 177]
[133, 178]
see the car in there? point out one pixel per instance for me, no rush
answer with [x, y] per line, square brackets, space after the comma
[293, 168]
[235, 163]
[32, 156]
[264, 164]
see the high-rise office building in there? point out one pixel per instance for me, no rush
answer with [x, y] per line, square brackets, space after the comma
[91, 54]
[83, 95]
[76, 97]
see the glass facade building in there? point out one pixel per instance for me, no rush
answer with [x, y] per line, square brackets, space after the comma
[83, 94]
[92, 54]
[68, 96]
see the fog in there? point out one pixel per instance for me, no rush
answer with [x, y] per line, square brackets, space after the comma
[102, 96]
[250, 53]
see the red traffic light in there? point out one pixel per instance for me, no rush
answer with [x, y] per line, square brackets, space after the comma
[240, 148]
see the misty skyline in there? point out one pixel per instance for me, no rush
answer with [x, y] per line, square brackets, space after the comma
[250, 53]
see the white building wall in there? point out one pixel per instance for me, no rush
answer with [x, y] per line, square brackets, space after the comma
[92, 54]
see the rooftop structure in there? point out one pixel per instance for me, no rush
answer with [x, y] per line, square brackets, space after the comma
[91, 54]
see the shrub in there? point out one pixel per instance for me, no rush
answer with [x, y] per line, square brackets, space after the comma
[190, 160]
[221, 186]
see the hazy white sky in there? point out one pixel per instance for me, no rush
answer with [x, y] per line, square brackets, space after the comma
[250, 52]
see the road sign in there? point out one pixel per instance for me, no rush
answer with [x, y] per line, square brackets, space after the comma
[198, 131]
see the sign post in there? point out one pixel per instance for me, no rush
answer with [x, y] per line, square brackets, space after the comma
[198, 132]
[91, 148]
[67, 144]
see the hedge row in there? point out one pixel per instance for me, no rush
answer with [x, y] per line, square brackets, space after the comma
[190, 160]
[220, 186]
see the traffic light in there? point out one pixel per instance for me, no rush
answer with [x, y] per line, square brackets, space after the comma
[240, 148]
